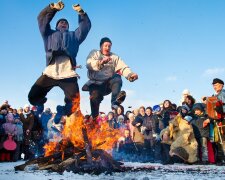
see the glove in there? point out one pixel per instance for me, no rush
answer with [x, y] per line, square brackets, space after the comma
[78, 8]
[133, 77]
[58, 6]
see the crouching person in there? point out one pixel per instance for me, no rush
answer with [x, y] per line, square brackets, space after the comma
[179, 134]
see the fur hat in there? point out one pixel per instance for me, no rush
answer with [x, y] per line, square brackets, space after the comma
[181, 152]
[105, 39]
[216, 80]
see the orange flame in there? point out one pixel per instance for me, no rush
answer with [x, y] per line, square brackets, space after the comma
[102, 137]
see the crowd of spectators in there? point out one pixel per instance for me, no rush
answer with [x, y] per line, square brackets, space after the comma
[165, 133]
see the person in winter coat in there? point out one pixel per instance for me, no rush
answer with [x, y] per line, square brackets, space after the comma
[27, 118]
[61, 46]
[165, 113]
[110, 119]
[138, 137]
[179, 134]
[9, 126]
[148, 129]
[104, 72]
[157, 120]
[201, 133]
[218, 126]
[10, 130]
[18, 139]
[45, 117]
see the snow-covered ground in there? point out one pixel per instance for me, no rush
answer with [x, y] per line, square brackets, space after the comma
[149, 171]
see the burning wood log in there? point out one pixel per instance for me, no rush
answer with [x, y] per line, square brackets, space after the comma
[88, 146]
[77, 162]
[77, 151]
[52, 159]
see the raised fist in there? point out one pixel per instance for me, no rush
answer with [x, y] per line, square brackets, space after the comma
[133, 77]
[78, 8]
[58, 6]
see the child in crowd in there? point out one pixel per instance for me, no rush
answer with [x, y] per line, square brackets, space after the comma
[10, 130]
[201, 133]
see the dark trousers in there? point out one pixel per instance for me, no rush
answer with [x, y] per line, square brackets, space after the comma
[38, 92]
[17, 152]
[97, 93]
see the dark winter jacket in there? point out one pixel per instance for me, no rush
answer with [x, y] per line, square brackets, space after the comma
[197, 125]
[138, 119]
[157, 119]
[62, 43]
[27, 120]
[165, 117]
[149, 125]
[45, 117]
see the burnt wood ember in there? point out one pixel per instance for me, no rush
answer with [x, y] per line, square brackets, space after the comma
[77, 160]
[102, 162]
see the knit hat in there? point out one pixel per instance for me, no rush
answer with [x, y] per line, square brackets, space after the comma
[188, 118]
[185, 107]
[62, 19]
[120, 118]
[181, 152]
[105, 39]
[216, 80]
[48, 110]
[198, 106]
[156, 108]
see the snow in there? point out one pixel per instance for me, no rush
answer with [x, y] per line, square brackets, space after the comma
[150, 171]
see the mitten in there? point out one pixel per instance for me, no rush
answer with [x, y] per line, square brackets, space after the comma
[58, 6]
[132, 77]
[78, 8]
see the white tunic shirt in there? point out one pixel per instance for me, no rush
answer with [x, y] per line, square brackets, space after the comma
[60, 68]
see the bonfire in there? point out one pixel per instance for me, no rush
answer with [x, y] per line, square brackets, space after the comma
[82, 148]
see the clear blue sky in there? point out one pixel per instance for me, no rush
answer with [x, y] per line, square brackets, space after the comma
[171, 44]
